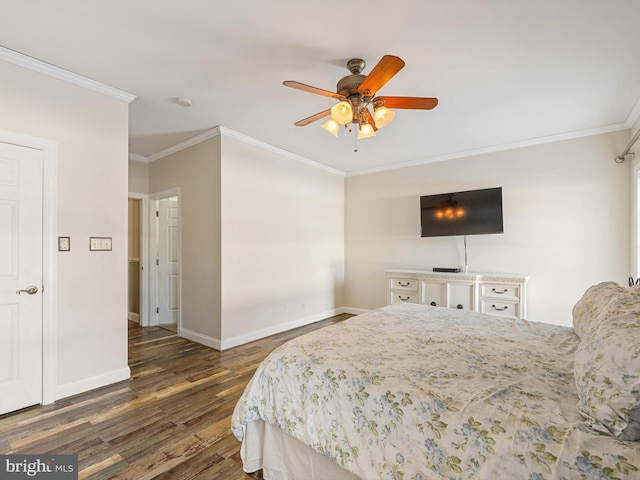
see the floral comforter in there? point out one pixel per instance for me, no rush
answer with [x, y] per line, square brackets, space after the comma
[420, 392]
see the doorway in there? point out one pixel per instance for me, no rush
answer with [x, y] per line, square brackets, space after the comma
[135, 264]
[166, 271]
[138, 248]
[27, 265]
[20, 277]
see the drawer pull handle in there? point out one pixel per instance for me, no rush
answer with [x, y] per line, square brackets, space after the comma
[403, 299]
[459, 306]
[433, 304]
[402, 284]
[499, 309]
[499, 293]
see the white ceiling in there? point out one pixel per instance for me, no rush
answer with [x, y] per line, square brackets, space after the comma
[504, 71]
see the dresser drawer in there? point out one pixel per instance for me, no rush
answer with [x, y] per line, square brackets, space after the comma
[499, 294]
[499, 308]
[500, 291]
[404, 284]
[400, 297]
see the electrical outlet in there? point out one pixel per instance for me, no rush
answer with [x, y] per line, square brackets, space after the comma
[286, 308]
[99, 244]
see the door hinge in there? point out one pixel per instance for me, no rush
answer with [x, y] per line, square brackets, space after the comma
[157, 213]
[157, 262]
[157, 309]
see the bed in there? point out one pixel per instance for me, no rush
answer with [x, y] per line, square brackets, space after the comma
[417, 392]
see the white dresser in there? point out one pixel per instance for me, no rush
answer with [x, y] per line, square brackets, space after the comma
[500, 294]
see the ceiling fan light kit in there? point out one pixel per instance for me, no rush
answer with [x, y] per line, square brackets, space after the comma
[356, 97]
[382, 116]
[366, 131]
[342, 112]
[331, 126]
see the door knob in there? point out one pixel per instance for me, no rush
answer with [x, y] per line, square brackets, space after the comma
[30, 291]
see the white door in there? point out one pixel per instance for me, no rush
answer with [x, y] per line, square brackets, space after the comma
[20, 277]
[168, 265]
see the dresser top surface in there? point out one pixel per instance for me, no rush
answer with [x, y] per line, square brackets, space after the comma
[480, 276]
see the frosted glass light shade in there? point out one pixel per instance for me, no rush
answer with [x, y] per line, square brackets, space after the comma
[332, 127]
[366, 131]
[383, 116]
[342, 113]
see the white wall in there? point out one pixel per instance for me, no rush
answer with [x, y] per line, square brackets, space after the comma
[91, 132]
[566, 219]
[282, 242]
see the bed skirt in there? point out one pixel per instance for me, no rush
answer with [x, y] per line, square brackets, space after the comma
[282, 457]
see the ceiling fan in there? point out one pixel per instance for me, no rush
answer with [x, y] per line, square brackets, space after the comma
[356, 93]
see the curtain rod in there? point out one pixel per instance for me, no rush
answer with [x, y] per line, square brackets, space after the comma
[621, 158]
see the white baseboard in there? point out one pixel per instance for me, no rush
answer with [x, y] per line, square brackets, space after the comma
[218, 344]
[281, 327]
[81, 386]
[354, 311]
[134, 317]
[200, 338]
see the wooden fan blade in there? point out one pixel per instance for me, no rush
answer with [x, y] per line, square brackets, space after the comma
[419, 103]
[312, 118]
[370, 120]
[384, 71]
[310, 89]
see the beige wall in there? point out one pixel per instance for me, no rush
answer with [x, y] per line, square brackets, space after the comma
[566, 220]
[282, 242]
[91, 132]
[196, 171]
[138, 177]
[283, 231]
[262, 240]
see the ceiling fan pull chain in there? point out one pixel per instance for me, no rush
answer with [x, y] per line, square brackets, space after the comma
[356, 141]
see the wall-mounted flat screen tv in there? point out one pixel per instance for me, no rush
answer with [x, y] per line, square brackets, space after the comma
[473, 212]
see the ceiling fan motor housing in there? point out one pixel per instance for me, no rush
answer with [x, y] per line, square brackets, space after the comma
[348, 85]
[348, 88]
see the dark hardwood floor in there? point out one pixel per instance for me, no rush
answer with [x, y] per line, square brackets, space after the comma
[171, 420]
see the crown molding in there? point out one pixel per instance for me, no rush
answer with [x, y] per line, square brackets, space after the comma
[219, 130]
[190, 142]
[494, 148]
[633, 115]
[223, 131]
[39, 66]
[279, 151]
[138, 158]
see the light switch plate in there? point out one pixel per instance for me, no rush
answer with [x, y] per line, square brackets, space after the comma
[99, 244]
[64, 244]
